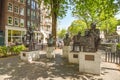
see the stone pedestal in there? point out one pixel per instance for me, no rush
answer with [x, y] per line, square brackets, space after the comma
[50, 53]
[66, 51]
[29, 55]
[73, 57]
[90, 62]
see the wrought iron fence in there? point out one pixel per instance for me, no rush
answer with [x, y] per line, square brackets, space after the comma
[113, 57]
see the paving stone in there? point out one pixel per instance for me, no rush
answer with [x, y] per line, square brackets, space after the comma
[12, 68]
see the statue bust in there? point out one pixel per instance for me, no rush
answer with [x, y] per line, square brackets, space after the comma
[67, 40]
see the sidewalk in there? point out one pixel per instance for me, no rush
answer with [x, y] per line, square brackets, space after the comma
[110, 71]
[12, 68]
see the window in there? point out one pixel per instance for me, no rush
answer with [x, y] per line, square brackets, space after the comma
[10, 20]
[16, 9]
[10, 7]
[22, 1]
[28, 23]
[37, 15]
[21, 22]
[21, 11]
[28, 12]
[16, 21]
[32, 15]
[28, 1]
[37, 6]
[33, 5]
[17, 0]
[31, 23]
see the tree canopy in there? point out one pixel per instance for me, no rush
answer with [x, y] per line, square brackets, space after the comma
[76, 26]
[109, 26]
[95, 10]
[58, 10]
[61, 33]
[99, 11]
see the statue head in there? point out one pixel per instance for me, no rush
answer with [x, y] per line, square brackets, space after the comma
[93, 25]
[50, 35]
[79, 33]
[86, 32]
[67, 35]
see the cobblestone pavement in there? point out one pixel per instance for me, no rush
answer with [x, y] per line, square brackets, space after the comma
[12, 68]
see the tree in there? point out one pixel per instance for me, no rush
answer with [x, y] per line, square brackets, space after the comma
[118, 22]
[109, 26]
[76, 26]
[95, 10]
[61, 33]
[58, 10]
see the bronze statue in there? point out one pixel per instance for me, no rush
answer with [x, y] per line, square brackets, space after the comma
[90, 41]
[95, 36]
[29, 39]
[67, 40]
[76, 41]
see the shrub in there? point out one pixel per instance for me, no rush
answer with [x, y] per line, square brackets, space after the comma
[17, 49]
[3, 50]
[118, 46]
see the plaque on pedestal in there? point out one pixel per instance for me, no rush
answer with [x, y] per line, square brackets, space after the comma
[89, 62]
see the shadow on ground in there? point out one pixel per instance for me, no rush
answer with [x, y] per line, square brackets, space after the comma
[44, 68]
[12, 68]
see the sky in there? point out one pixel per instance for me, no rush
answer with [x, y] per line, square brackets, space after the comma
[118, 16]
[66, 21]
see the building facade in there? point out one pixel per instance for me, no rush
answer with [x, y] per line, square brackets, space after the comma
[33, 17]
[45, 21]
[13, 20]
[18, 15]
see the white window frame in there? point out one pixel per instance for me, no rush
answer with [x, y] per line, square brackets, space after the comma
[17, 0]
[22, 11]
[28, 12]
[8, 20]
[16, 9]
[16, 20]
[23, 1]
[11, 8]
[28, 2]
[21, 23]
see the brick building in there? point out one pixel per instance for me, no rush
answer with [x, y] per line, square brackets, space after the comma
[13, 20]
[17, 15]
[33, 17]
[45, 21]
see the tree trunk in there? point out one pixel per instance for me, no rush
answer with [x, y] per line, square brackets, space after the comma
[54, 21]
[54, 26]
[54, 6]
